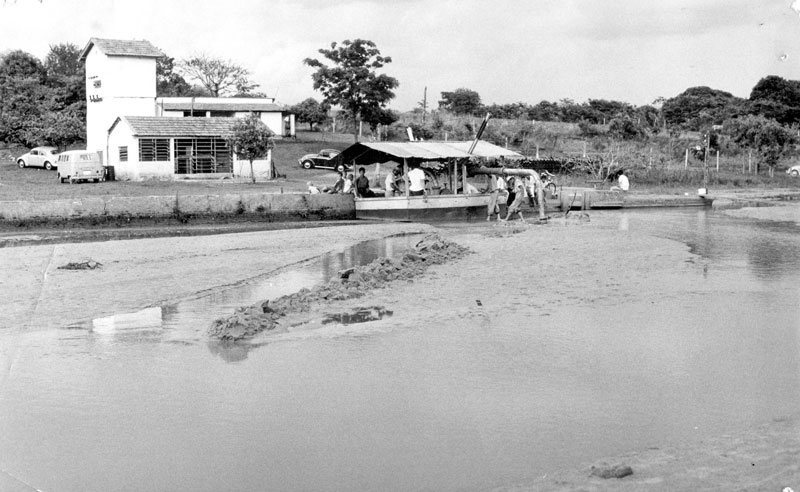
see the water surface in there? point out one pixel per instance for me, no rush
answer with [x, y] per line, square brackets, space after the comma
[143, 401]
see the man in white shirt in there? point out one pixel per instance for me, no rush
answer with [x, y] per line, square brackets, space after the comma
[416, 178]
[622, 183]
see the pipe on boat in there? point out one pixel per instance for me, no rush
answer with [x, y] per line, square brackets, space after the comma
[520, 172]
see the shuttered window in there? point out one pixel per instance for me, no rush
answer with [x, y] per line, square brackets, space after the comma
[123, 153]
[153, 149]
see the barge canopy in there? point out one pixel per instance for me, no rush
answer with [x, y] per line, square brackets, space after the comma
[365, 153]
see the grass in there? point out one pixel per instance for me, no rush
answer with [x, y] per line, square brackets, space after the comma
[39, 184]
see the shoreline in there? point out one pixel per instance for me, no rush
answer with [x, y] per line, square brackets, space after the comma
[102, 212]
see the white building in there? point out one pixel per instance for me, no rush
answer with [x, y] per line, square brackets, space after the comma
[121, 86]
[120, 80]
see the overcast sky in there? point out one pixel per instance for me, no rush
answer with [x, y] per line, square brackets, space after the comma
[506, 50]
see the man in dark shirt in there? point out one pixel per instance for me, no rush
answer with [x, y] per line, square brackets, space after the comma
[362, 185]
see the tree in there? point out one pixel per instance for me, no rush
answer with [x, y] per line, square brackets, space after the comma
[379, 116]
[461, 101]
[626, 128]
[219, 77]
[23, 97]
[776, 98]
[699, 107]
[768, 137]
[310, 111]
[251, 139]
[63, 60]
[169, 83]
[352, 81]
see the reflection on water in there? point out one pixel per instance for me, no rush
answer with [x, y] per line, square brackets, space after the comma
[143, 401]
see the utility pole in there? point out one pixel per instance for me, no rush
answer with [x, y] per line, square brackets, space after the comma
[424, 104]
[705, 162]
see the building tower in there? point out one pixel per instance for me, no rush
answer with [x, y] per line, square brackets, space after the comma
[120, 81]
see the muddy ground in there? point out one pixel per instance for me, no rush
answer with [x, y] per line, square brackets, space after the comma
[37, 294]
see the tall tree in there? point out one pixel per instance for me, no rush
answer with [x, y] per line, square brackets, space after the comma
[169, 83]
[764, 135]
[776, 98]
[311, 111]
[251, 140]
[220, 77]
[700, 107]
[352, 80]
[63, 60]
[461, 101]
[23, 97]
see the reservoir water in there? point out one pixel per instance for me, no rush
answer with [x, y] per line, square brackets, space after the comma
[144, 401]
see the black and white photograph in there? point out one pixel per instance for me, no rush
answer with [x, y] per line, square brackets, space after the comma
[399, 246]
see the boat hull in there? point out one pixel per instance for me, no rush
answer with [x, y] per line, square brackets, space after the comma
[432, 208]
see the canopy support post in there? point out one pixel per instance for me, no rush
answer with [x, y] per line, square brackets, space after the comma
[405, 175]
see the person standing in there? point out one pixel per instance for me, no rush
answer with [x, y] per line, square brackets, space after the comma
[416, 179]
[392, 188]
[497, 186]
[519, 197]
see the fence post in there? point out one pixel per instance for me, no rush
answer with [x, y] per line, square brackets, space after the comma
[750, 162]
[718, 161]
[686, 160]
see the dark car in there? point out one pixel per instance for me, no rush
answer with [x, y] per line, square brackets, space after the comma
[324, 159]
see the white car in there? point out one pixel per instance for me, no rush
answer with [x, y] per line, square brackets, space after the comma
[39, 157]
[794, 171]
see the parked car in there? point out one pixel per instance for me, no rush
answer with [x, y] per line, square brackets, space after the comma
[324, 159]
[80, 165]
[794, 171]
[39, 157]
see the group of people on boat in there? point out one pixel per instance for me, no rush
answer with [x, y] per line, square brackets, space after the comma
[360, 185]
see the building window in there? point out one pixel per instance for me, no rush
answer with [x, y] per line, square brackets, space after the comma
[153, 149]
[202, 155]
[123, 154]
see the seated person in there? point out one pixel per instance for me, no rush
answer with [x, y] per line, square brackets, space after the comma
[313, 189]
[337, 187]
[416, 179]
[622, 183]
[362, 185]
[348, 184]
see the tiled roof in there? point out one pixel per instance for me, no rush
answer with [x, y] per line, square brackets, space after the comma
[223, 105]
[123, 47]
[163, 126]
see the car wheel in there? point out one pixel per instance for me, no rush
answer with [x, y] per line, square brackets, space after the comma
[795, 173]
[308, 164]
[340, 168]
[48, 166]
[21, 163]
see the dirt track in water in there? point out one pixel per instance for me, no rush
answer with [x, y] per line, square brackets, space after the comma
[136, 274]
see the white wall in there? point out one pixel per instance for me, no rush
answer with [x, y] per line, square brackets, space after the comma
[261, 167]
[127, 87]
[133, 169]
